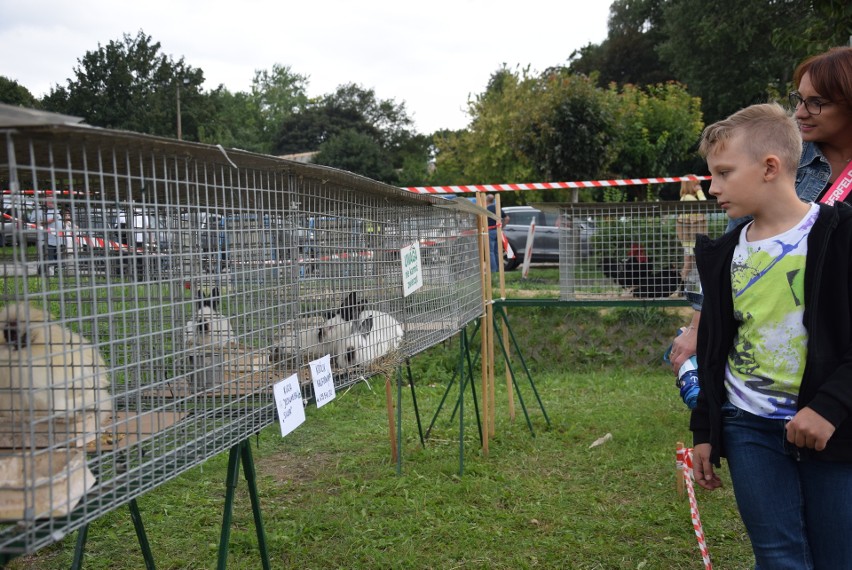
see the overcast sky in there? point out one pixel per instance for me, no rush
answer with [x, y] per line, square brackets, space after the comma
[430, 55]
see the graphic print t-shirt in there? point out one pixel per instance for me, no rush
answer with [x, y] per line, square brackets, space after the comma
[765, 365]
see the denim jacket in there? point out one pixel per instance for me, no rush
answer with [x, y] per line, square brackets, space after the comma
[812, 177]
[813, 173]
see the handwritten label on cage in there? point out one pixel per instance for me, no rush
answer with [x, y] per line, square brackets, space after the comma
[323, 380]
[288, 399]
[412, 272]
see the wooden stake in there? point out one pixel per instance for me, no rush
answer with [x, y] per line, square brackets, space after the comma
[485, 248]
[679, 459]
[510, 391]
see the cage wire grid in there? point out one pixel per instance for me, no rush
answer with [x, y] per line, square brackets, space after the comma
[153, 291]
[632, 250]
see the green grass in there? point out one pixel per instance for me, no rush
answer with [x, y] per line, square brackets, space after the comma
[331, 496]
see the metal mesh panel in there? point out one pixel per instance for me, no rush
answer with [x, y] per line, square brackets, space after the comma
[351, 302]
[633, 250]
[153, 291]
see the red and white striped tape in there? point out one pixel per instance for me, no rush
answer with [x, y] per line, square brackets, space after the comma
[684, 459]
[80, 240]
[547, 185]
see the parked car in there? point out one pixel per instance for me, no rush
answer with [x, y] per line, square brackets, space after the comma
[546, 240]
[141, 229]
[17, 222]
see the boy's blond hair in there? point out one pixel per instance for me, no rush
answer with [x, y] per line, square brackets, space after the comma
[769, 129]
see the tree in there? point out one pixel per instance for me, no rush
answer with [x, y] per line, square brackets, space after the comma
[813, 26]
[570, 132]
[359, 153]
[628, 54]
[13, 93]
[130, 85]
[239, 122]
[349, 111]
[278, 94]
[486, 152]
[726, 56]
[559, 126]
[658, 130]
[350, 107]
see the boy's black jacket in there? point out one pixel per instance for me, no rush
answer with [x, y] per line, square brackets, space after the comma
[827, 379]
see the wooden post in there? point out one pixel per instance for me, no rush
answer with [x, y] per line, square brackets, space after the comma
[485, 249]
[679, 461]
[510, 392]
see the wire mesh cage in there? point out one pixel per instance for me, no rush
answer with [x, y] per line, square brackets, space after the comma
[153, 291]
[633, 250]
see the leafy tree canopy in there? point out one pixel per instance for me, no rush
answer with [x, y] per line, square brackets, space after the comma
[130, 85]
[13, 93]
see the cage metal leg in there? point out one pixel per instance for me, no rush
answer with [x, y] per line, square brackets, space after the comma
[136, 517]
[462, 350]
[82, 536]
[464, 356]
[399, 420]
[144, 545]
[414, 402]
[523, 364]
[241, 451]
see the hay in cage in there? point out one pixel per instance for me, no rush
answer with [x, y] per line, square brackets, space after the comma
[42, 486]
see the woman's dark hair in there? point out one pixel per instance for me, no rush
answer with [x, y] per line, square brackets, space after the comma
[831, 74]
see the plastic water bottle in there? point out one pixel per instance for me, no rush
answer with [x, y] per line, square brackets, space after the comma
[687, 382]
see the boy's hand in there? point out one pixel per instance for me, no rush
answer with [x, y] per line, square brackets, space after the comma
[703, 469]
[809, 429]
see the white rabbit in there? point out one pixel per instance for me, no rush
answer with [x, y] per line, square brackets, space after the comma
[45, 366]
[209, 328]
[293, 341]
[372, 335]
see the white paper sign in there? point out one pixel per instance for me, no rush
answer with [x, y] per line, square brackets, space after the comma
[288, 399]
[323, 380]
[412, 272]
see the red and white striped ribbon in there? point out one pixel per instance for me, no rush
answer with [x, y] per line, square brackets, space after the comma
[81, 240]
[693, 504]
[547, 185]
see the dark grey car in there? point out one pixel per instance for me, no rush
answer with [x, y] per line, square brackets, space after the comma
[546, 239]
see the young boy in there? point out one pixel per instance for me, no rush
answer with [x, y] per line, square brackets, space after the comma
[775, 348]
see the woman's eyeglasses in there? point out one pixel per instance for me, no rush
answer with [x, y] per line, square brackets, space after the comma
[812, 106]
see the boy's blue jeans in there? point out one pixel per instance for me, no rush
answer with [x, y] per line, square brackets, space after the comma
[797, 510]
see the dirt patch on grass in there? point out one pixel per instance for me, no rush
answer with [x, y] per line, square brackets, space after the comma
[295, 469]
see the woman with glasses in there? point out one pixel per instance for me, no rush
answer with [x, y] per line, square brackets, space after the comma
[823, 109]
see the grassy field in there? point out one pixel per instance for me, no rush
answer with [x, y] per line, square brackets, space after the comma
[331, 496]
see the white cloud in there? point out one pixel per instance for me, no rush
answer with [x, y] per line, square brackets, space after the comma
[432, 56]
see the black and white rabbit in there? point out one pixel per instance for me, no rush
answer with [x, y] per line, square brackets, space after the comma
[209, 328]
[372, 335]
[315, 341]
[338, 324]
